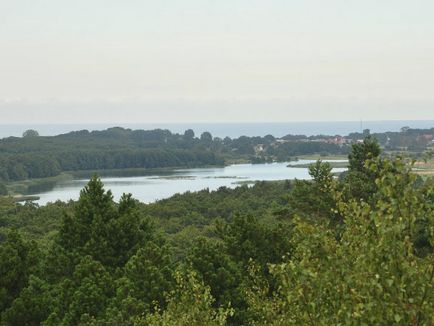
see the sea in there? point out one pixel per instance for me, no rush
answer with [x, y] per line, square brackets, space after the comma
[232, 130]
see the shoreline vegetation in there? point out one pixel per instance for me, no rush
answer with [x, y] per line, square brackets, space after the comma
[22, 191]
[24, 188]
[332, 164]
[33, 163]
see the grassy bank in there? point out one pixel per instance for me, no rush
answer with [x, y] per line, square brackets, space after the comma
[333, 165]
[320, 157]
[425, 169]
[32, 186]
[133, 172]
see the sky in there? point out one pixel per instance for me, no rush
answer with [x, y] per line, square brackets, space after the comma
[140, 61]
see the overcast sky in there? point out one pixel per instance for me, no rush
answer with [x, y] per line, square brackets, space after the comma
[143, 61]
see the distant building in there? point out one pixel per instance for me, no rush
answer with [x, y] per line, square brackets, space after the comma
[259, 148]
[425, 137]
[338, 140]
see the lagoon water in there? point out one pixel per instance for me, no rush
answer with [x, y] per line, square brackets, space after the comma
[159, 186]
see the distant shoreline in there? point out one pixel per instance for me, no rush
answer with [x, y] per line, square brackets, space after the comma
[230, 129]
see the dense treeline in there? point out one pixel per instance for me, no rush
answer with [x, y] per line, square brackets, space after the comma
[294, 149]
[354, 250]
[116, 148]
[25, 166]
[409, 139]
[34, 156]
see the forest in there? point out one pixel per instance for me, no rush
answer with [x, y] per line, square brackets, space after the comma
[33, 156]
[350, 250]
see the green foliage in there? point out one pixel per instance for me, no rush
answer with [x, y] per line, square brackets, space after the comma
[145, 280]
[220, 272]
[319, 252]
[183, 217]
[18, 259]
[115, 148]
[189, 134]
[189, 304]
[153, 262]
[288, 150]
[34, 222]
[85, 295]
[370, 276]
[30, 133]
[360, 181]
[33, 306]
[105, 263]
[360, 152]
[314, 199]
[248, 239]
[206, 137]
[109, 233]
[3, 190]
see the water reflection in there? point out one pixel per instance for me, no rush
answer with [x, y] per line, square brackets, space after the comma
[154, 187]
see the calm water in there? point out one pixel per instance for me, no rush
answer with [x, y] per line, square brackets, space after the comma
[150, 188]
[233, 130]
